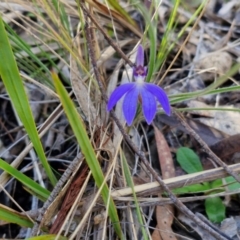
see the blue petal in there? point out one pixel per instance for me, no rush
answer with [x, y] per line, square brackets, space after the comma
[161, 96]
[140, 56]
[149, 105]
[130, 105]
[118, 93]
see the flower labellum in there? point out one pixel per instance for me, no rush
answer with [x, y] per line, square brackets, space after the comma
[147, 92]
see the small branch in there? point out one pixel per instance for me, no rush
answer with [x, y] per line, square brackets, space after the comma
[109, 40]
[212, 226]
[205, 147]
[141, 155]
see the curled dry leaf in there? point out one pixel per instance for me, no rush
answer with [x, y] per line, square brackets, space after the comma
[99, 218]
[227, 146]
[229, 227]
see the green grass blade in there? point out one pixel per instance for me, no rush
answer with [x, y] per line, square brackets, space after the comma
[15, 88]
[232, 184]
[30, 64]
[152, 55]
[191, 19]
[211, 89]
[11, 216]
[62, 14]
[164, 46]
[226, 109]
[26, 181]
[115, 4]
[87, 149]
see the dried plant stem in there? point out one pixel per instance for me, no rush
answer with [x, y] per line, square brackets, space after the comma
[141, 155]
[73, 166]
[110, 41]
[205, 147]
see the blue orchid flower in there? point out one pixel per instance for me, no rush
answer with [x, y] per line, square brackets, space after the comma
[146, 92]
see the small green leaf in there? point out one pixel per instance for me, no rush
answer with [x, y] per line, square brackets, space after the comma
[189, 160]
[216, 183]
[215, 209]
[233, 185]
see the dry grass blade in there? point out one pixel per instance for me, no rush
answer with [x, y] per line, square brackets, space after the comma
[177, 182]
[110, 41]
[104, 10]
[4, 177]
[82, 94]
[164, 201]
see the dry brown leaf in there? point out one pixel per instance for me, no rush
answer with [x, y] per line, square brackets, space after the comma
[164, 214]
[227, 146]
[202, 233]
[208, 134]
[224, 121]
[230, 226]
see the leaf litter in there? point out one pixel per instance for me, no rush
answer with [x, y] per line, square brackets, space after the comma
[212, 50]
